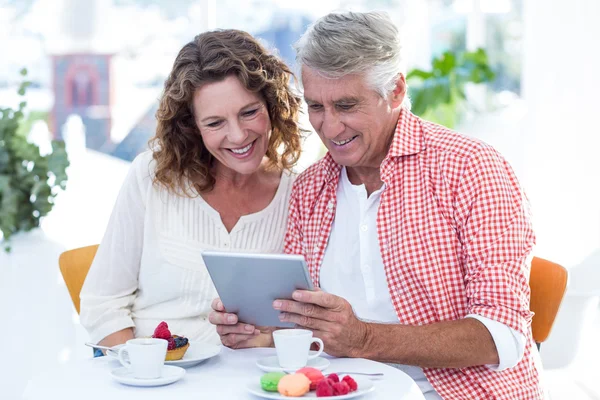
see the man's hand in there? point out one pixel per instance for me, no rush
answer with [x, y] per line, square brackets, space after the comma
[331, 319]
[237, 335]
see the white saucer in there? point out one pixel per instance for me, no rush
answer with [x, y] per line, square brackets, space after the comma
[271, 364]
[195, 354]
[364, 386]
[170, 374]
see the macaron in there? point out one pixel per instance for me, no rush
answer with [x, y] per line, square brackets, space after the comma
[313, 374]
[294, 385]
[269, 381]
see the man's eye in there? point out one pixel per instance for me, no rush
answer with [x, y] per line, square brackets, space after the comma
[315, 107]
[345, 107]
[249, 113]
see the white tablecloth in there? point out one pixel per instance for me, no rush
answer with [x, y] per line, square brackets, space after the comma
[222, 377]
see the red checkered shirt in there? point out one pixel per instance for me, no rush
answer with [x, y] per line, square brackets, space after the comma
[455, 237]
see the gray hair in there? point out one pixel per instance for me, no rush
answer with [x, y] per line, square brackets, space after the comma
[344, 43]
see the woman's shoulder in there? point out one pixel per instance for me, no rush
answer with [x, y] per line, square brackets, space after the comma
[144, 165]
[142, 173]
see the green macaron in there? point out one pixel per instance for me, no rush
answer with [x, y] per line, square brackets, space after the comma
[270, 380]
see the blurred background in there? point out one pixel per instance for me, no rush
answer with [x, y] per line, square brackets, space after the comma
[95, 70]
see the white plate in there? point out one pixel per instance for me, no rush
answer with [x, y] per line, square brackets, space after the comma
[195, 354]
[364, 386]
[170, 374]
[271, 364]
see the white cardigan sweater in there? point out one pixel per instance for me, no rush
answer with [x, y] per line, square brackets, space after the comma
[148, 267]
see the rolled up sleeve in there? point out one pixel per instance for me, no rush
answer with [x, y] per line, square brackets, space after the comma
[494, 225]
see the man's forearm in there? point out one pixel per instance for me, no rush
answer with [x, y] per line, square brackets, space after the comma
[448, 344]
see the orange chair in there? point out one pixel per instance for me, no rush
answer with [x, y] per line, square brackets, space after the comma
[74, 266]
[548, 282]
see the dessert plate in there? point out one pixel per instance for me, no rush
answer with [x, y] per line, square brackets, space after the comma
[195, 354]
[364, 386]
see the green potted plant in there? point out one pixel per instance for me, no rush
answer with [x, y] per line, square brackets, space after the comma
[29, 181]
[438, 95]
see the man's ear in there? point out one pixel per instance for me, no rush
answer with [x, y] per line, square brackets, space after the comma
[399, 91]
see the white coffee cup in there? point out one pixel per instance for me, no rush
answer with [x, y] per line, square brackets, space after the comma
[293, 347]
[145, 357]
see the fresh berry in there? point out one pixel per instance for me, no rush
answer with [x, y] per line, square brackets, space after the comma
[351, 383]
[162, 331]
[172, 344]
[334, 377]
[324, 388]
[180, 341]
[341, 388]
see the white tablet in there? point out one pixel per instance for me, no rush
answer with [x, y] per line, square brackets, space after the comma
[249, 283]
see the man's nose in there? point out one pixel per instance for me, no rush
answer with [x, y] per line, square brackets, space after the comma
[332, 125]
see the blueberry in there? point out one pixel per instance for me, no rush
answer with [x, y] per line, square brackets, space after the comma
[180, 341]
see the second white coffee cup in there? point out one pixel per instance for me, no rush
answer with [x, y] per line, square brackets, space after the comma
[293, 347]
[146, 357]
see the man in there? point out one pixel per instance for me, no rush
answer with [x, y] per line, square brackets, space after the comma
[419, 238]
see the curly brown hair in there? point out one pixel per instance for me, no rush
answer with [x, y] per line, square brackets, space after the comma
[178, 148]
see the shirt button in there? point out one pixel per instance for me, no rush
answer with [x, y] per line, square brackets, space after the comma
[364, 228]
[316, 248]
[330, 205]
[226, 244]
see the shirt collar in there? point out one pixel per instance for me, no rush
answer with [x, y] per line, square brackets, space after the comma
[408, 138]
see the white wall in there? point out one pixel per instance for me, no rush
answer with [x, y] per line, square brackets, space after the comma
[561, 84]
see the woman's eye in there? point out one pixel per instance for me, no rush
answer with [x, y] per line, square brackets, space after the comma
[214, 124]
[249, 113]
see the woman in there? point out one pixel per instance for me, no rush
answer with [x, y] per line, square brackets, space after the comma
[214, 179]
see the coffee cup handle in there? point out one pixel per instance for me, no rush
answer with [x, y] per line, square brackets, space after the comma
[125, 363]
[321, 346]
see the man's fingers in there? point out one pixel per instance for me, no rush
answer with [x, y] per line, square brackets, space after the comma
[318, 297]
[307, 322]
[306, 309]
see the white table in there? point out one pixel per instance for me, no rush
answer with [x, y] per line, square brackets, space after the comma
[222, 377]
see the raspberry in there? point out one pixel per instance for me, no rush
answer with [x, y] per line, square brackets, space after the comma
[162, 331]
[324, 388]
[350, 382]
[341, 388]
[334, 377]
[172, 344]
